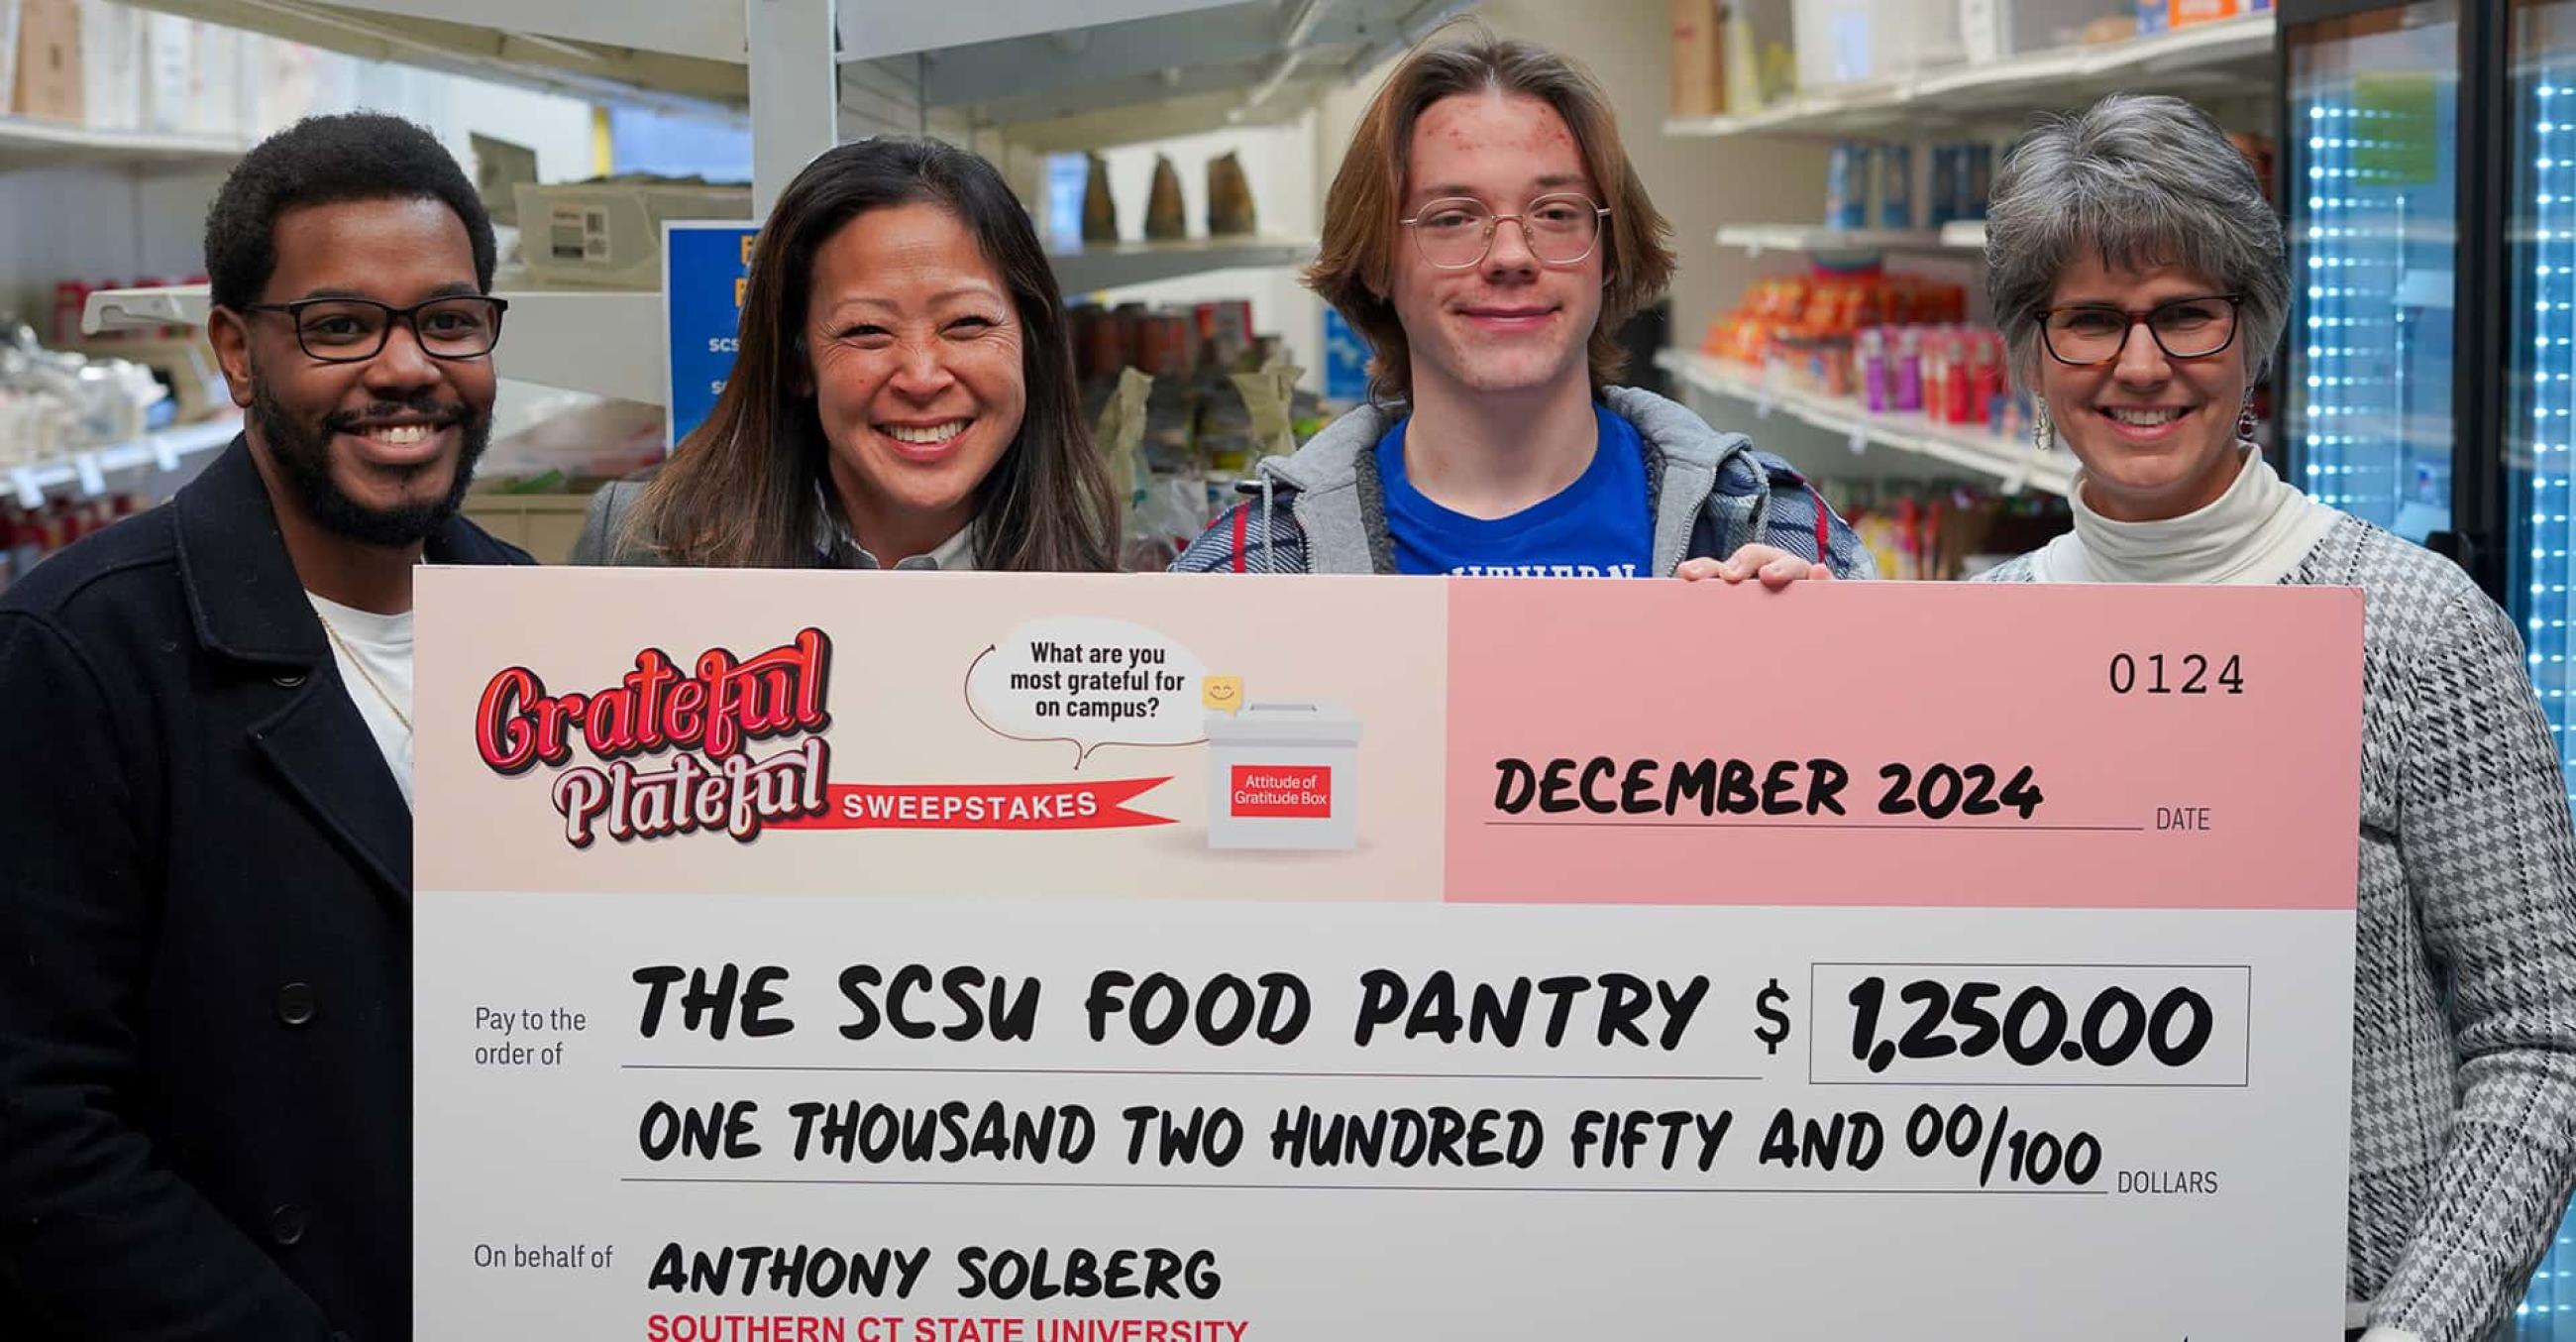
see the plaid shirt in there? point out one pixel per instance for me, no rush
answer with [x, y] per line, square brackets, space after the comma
[2464, 997]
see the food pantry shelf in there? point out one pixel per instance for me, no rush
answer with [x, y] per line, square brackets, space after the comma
[2224, 55]
[605, 343]
[1756, 239]
[2009, 460]
[88, 471]
[29, 143]
[1083, 270]
[610, 343]
[1054, 74]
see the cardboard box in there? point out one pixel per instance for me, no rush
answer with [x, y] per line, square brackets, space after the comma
[49, 60]
[111, 65]
[169, 63]
[1699, 58]
[217, 94]
[288, 81]
[609, 234]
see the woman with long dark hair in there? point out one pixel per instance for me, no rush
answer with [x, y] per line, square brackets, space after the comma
[904, 394]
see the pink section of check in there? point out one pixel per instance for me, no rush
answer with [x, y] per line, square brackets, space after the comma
[1873, 674]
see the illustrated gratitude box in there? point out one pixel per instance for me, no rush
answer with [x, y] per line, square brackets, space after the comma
[1285, 775]
[1018, 957]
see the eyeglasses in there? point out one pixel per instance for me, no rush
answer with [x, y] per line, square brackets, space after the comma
[353, 330]
[1457, 233]
[2185, 328]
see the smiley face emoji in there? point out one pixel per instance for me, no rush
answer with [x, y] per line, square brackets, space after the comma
[1224, 694]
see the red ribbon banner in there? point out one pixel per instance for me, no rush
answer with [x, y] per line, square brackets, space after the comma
[987, 806]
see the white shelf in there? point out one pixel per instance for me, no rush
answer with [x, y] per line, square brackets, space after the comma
[87, 471]
[610, 342]
[607, 343]
[1170, 66]
[2013, 462]
[1964, 235]
[29, 143]
[1116, 266]
[1756, 239]
[1073, 81]
[2225, 54]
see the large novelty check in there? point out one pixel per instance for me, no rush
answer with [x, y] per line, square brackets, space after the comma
[946, 958]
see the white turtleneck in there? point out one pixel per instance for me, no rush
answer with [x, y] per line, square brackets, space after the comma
[2258, 532]
[2255, 533]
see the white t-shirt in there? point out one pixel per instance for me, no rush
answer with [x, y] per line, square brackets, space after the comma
[382, 644]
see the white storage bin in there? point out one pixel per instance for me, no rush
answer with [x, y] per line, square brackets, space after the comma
[1860, 41]
[1991, 30]
[111, 65]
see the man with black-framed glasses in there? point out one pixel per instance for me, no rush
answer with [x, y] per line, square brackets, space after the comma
[1487, 235]
[205, 1013]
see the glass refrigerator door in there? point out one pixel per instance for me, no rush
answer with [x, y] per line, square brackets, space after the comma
[2373, 191]
[2540, 384]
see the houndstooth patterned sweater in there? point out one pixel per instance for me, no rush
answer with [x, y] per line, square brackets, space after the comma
[2464, 1001]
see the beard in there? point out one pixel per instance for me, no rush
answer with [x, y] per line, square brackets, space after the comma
[302, 455]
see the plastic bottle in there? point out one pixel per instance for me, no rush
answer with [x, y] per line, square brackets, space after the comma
[1954, 380]
[1896, 186]
[1907, 370]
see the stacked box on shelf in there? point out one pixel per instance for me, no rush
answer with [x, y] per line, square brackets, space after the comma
[47, 61]
[112, 65]
[1864, 41]
[193, 77]
[1991, 30]
[8, 55]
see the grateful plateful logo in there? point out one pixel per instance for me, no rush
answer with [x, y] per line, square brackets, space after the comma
[699, 725]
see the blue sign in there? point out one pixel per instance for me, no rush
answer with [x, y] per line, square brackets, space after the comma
[705, 268]
[1346, 356]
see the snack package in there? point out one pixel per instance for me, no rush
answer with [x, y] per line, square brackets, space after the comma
[1120, 436]
[1099, 209]
[1229, 199]
[1165, 219]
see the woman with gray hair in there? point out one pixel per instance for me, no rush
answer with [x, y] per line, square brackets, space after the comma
[2139, 278]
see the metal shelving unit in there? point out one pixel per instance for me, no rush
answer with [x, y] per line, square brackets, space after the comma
[88, 470]
[1043, 74]
[1755, 239]
[2220, 57]
[2012, 462]
[29, 143]
[611, 343]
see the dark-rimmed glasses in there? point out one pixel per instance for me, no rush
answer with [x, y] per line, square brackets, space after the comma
[1455, 233]
[353, 330]
[2089, 334]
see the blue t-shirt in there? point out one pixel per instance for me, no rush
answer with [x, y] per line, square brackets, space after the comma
[1597, 527]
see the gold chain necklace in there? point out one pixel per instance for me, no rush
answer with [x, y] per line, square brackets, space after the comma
[363, 673]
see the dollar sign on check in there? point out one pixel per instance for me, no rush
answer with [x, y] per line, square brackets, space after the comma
[1775, 1022]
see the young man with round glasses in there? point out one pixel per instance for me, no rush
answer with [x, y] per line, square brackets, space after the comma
[205, 1014]
[1487, 235]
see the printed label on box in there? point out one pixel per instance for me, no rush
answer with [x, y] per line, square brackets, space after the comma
[1284, 793]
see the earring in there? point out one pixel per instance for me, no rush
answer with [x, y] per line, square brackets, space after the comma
[2043, 434]
[2246, 424]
